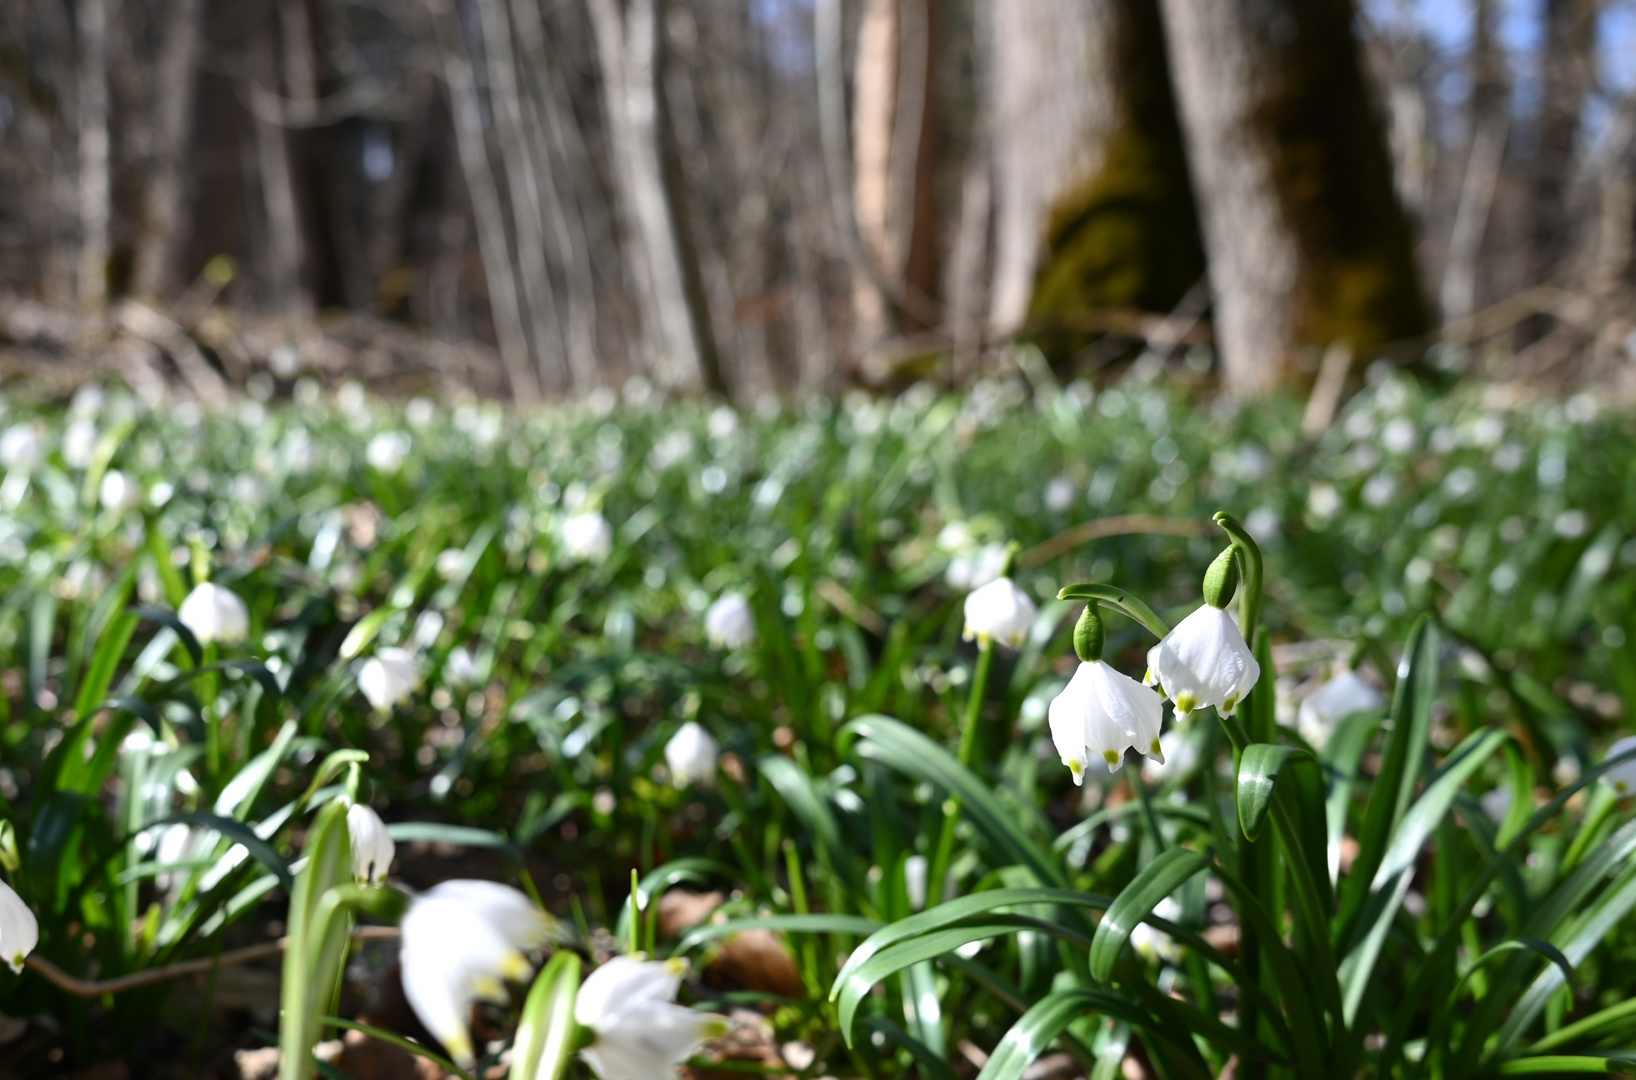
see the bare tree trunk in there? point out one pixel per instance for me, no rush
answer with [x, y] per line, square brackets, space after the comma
[160, 241]
[1489, 120]
[284, 235]
[93, 21]
[486, 209]
[630, 44]
[894, 127]
[1569, 72]
[1308, 243]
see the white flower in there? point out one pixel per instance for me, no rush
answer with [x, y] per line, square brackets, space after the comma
[19, 929]
[1333, 702]
[372, 849]
[973, 570]
[79, 443]
[1153, 944]
[386, 451]
[214, 614]
[20, 448]
[691, 755]
[1622, 777]
[587, 536]
[118, 491]
[509, 913]
[1204, 662]
[389, 677]
[999, 611]
[640, 1033]
[1059, 494]
[730, 624]
[460, 669]
[914, 880]
[1496, 803]
[451, 957]
[1103, 713]
[1179, 756]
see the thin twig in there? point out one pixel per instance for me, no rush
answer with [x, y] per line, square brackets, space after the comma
[96, 988]
[1121, 525]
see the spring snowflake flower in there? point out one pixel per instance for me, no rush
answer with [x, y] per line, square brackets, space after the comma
[386, 451]
[1333, 702]
[214, 614]
[999, 611]
[587, 537]
[1204, 662]
[389, 677]
[914, 880]
[20, 448]
[730, 624]
[1153, 944]
[1102, 713]
[639, 1032]
[691, 755]
[119, 492]
[974, 569]
[19, 929]
[372, 848]
[1622, 777]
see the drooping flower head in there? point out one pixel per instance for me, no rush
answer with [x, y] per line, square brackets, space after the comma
[214, 614]
[1622, 778]
[999, 611]
[1102, 713]
[1204, 662]
[640, 1033]
[691, 755]
[389, 677]
[372, 849]
[730, 624]
[19, 929]
[587, 537]
[1333, 702]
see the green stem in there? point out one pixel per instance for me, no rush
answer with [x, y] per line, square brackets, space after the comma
[939, 868]
[1249, 561]
[1146, 803]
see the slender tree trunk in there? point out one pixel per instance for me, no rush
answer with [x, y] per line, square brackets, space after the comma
[284, 234]
[159, 244]
[894, 124]
[1308, 243]
[487, 212]
[1569, 72]
[93, 19]
[630, 37]
[1489, 120]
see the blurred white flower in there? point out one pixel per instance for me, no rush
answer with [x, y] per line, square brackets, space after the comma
[19, 929]
[1152, 944]
[1059, 494]
[79, 443]
[372, 849]
[1497, 803]
[214, 614]
[509, 913]
[386, 451]
[691, 755]
[1334, 701]
[973, 570]
[1203, 662]
[1622, 778]
[730, 623]
[999, 611]
[460, 669]
[455, 952]
[1399, 435]
[587, 536]
[1103, 713]
[449, 562]
[389, 677]
[914, 881]
[118, 491]
[954, 536]
[640, 1033]
[20, 448]
[1179, 756]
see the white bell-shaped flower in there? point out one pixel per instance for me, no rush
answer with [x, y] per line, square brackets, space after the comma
[119, 492]
[1102, 713]
[1334, 701]
[389, 677]
[20, 448]
[1204, 662]
[1178, 756]
[1153, 944]
[451, 957]
[999, 611]
[386, 451]
[214, 614]
[730, 623]
[1622, 778]
[691, 755]
[372, 849]
[79, 443]
[915, 871]
[517, 919]
[640, 1032]
[587, 537]
[19, 929]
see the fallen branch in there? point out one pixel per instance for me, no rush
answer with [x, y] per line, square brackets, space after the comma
[1122, 525]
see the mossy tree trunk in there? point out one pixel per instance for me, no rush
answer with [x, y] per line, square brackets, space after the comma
[1307, 240]
[1092, 208]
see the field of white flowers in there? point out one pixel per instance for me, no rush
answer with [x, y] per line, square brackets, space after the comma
[1037, 731]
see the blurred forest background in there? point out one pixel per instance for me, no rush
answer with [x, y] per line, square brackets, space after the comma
[536, 197]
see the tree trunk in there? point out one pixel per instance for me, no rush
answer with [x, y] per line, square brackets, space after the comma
[894, 125]
[1489, 123]
[629, 37]
[160, 241]
[1308, 243]
[1092, 204]
[93, 20]
[1568, 74]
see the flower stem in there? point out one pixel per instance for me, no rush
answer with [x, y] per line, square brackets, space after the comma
[939, 869]
[1149, 817]
[1249, 559]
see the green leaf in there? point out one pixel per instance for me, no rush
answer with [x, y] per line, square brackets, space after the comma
[1030, 1036]
[170, 619]
[397, 1040]
[1531, 944]
[931, 1064]
[433, 832]
[1259, 768]
[329, 863]
[546, 1031]
[240, 833]
[1559, 1064]
[656, 881]
[1163, 876]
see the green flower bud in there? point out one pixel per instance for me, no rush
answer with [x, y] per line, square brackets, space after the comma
[1089, 637]
[1221, 580]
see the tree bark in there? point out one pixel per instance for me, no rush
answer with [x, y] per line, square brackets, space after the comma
[160, 241]
[92, 17]
[1568, 74]
[894, 123]
[1307, 240]
[1092, 204]
[629, 37]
